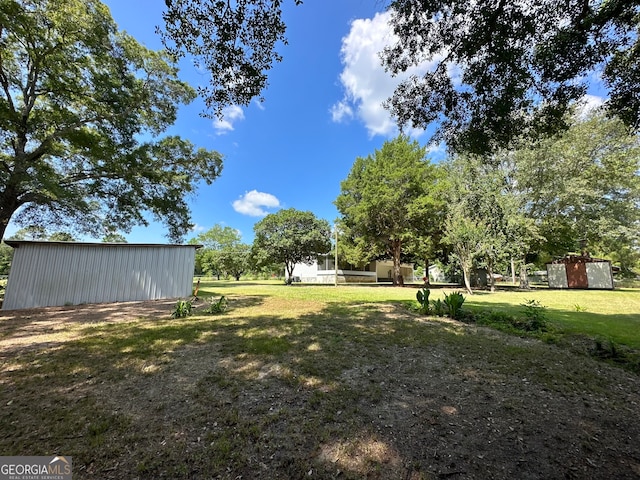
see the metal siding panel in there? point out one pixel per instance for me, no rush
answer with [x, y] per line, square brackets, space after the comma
[557, 275]
[80, 276]
[599, 275]
[167, 275]
[150, 272]
[45, 281]
[176, 274]
[112, 273]
[577, 275]
[178, 284]
[55, 274]
[119, 272]
[93, 263]
[190, 265]
[130, 258]
[14, 282]
[163, 290]
[137, 280]
[97, 277]
[145, 275]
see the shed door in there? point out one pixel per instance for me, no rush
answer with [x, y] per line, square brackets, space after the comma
[577, 275]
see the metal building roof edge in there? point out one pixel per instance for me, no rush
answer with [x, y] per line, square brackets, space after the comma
[18, 243]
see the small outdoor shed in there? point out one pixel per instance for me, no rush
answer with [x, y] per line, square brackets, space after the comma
[71, 273]
[578, 271]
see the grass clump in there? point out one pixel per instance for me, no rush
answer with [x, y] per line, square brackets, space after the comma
[182, 309]
[531, 320]
[217, 307]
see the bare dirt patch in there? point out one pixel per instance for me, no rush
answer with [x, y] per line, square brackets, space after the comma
[358, 391]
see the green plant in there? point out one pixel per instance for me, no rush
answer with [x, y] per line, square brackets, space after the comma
[579, 308]
[535, 316]
[423, 299]
[217, 306]
[454, 302]
[439, 308]
[182, 309]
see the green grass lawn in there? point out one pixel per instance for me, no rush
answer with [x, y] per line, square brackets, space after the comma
[612, 315]
[319, 382]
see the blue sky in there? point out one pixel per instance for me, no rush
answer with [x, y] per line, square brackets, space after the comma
[321, 111]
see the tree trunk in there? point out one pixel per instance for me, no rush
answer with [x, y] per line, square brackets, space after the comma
[397, 250]
[492, 281]
[8, 206]
[426, 272]
[513, 271]
[524, 279]
[466, 276]
[289, 267]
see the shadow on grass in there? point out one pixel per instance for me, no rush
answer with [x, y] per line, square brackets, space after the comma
[352, 390]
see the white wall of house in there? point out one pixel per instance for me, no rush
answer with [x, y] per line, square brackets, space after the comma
[384, 270]
[304, 272]
[325, 273]
[62, 273]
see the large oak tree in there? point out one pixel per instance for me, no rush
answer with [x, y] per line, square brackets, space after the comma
[82, 110]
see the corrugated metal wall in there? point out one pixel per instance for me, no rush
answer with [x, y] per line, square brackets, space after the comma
[53, 274]
[557, 275]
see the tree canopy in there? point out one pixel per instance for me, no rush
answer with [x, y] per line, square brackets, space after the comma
[222, 252]
[500, 69]
[507, 69]
[77, 98]
[234, 41]
[386, 201]
[290, 236]
[585, 185]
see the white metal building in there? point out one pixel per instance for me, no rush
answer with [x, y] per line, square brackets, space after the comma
[70, 273]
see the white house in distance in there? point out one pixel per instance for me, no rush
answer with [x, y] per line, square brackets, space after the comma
[323, 271]
[47, 274]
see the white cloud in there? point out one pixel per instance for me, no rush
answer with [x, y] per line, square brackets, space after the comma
[251, 203]
[229, 115]
[258, 103]
[588, 104]
[341, 111]
[363, 78]
[198, 228]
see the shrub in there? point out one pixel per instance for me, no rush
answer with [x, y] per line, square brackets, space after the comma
[439, 307]
[535, 316]
[182, 309]
[454, 302]
[216, 306]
